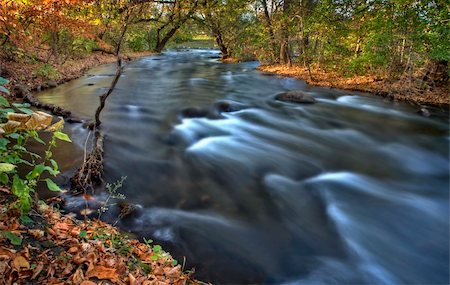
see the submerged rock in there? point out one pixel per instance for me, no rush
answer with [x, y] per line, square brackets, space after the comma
[295, 96]
[424, 112]
[192, 112]
[225, 106]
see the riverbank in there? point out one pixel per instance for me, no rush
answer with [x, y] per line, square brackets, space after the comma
[37, 76]
[47, 247]
[401, 90]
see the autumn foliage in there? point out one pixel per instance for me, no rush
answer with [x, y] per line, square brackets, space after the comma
[38, 25]
[52, 248]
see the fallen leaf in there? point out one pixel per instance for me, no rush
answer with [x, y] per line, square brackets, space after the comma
[56, 126]
[61, 226]
[131, 279]
[12, 126]
[87, 282]
[68, 269]
[36, 233]
[78, 276]
[20, 262]
[38, 121]
[102, 272]
[22, 118]
[7, 252]
[73, 249]
[37, 270]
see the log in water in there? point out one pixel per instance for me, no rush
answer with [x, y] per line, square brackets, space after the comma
[350, 189]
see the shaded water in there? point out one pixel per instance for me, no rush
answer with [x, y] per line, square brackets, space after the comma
[352, 189]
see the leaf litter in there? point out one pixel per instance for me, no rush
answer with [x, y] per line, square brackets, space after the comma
[58, 249]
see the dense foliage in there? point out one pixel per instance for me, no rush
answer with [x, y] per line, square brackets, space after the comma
[388, 38]
[20, 168]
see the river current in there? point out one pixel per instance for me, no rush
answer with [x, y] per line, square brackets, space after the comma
[351, 190]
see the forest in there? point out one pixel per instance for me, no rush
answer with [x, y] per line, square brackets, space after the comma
[174, 156]
[386, 40]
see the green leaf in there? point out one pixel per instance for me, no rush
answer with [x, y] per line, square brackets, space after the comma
[19, 187]
[174, 262]
[4, 90]
[154, 257]
[83, 234]
[3, 81]
[52, 185]
[7, 167]
[54, 164]
[157, 249]
[13, 239]
[14, 136]
[62, 136]
[4, 111]
[4, 179]
[26, 111]
[4, 102]
[37, 171]
[24, 219]
[21, 105]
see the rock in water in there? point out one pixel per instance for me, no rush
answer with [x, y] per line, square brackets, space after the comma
[295, 96]
[52, 83]
[424, 112]
[192, 112]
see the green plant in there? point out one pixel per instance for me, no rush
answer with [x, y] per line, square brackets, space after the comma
[82, 45]
[13, 239]
[19, 125]
[47, 71]
[113, 193]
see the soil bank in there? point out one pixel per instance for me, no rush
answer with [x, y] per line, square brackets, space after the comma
[401, 90]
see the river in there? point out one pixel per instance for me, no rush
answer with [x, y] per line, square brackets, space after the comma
[351, 190]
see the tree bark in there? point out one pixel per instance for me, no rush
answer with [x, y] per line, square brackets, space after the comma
[285, 56]
[270, 28]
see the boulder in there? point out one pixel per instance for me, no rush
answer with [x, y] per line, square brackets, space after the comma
[295, 96]
[52, 83]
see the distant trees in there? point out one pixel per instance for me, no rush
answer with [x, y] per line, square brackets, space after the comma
[389, 38]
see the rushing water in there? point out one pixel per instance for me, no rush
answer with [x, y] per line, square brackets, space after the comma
[352, 189]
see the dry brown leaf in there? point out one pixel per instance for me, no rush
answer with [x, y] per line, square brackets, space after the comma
[85, 246]
[68, 269]
[37, 270]
[73, 249]
[102, 272]
[174, 272]
[56, 126]
[131, 279]
[36, 233]
[87, 282]
[61, 226]
[77, 277]
[20, 262]
[12, 126]
[22, 118]
[7, 252]
[38, 121]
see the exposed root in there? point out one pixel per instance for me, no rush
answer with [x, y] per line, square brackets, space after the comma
[90, 173]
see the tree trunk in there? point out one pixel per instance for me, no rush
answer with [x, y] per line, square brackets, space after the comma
[219, 40]
[285, 56]
[270, 29]
[161, 43]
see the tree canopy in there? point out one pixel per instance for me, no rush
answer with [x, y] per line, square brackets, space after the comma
[379, 37]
